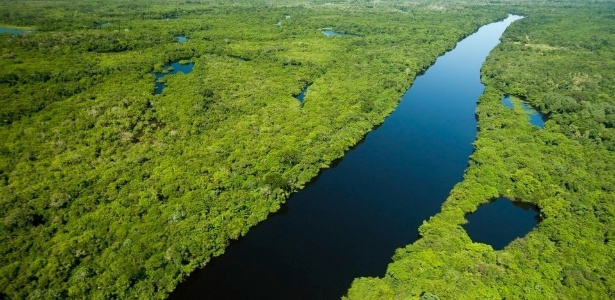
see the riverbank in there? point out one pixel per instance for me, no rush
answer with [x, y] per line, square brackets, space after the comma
[129, 191]
[567, 175]
[372, 202]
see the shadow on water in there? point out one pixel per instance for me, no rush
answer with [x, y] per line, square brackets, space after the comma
[301, 94]
[349, 221]
[500, 221]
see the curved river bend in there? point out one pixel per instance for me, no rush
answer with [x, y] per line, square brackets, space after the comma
[349, 222]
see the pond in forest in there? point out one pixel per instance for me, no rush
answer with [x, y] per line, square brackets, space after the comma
[12, 30]
[170, 69]
[348, 222]
[507, 101]
[301, 94]
[536, 118]
[330, 32]
[501, 221]
[102, 25]
[182, 39]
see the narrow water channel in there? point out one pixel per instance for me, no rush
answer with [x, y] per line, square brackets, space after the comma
[535, 117]
[330, 32]
[11, 30]
[349, 222]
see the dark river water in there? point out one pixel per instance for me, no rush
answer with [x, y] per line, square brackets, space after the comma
[349, 222]
[501, 221]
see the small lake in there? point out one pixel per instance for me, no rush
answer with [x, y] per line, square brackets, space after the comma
[182, 39]
[501, 221]
[536, 118]
[172, 68]
[12, 30]
[349, 221]
[329, 32]
[301, 95]
[102, 25]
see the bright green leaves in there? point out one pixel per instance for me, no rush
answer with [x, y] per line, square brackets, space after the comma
[566, 168]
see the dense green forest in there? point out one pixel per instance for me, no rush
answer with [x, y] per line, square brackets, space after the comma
[561, 60]
[110, 191]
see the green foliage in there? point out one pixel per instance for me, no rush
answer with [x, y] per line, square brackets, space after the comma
[429, 296]
[578, 93]
[109, 191]
[560, 60]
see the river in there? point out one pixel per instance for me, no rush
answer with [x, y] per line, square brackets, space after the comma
[349, 222]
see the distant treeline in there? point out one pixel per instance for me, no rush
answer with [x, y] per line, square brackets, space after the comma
[562, 61]
[108, 191]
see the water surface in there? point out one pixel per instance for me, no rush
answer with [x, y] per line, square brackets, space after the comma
[349, 222]
[12, 30]
[501, 221]
[301, 95]
[507, 101]
[176, 67]
[536, 118]
[329, 32]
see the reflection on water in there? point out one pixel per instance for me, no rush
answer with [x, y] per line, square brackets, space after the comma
[501, 221]
[170, 69]
[350, 220]
[536, 118]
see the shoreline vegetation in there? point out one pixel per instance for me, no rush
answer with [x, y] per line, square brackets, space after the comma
[26, 28]
[566, 169]
[107, 191]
